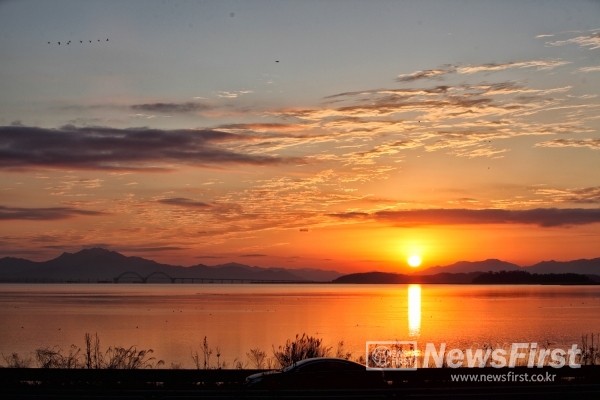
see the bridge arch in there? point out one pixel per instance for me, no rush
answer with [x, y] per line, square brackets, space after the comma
[159, 273]
[129, 272]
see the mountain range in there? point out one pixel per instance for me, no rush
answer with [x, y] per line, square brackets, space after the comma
[102, 264]
[582, 266]
[469, 271]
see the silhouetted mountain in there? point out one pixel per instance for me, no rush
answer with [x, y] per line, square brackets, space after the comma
[582, 266]
[15, 265]
[472, 266]
[102, 264]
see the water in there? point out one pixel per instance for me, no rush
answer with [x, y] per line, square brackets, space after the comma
[173, 319]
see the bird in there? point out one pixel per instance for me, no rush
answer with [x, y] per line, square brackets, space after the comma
[90, 41]
[107, 40]
[59, 43]
[98, 39]
[48, 42]
[81, 41]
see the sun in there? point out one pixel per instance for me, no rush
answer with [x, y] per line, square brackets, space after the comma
[414, 261]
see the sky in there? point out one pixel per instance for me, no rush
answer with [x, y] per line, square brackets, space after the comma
[342, 135]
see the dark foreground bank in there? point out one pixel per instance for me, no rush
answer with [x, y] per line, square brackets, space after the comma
[34, 383]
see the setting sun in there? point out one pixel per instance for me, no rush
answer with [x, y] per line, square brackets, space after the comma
[414, 261]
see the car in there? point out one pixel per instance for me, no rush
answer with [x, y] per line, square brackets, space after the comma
[318, 373]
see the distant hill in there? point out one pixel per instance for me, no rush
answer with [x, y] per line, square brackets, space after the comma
[102, 264]
[387, 277]
[465, 267]
[582, 266]
[10, 265]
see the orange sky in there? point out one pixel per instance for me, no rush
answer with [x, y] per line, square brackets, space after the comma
[186, 142]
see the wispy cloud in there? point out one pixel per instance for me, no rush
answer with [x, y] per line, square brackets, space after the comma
[148, 249]
[448, 69]
[589, 69]
[461, 118]
[231, 95]
[210, 257]
[589, 143]
[426, 74]
[539, 65]
[589, 195]
[170, 108]
[591, 40]
[184, 202]
[544, 217]
[263, 127]
[44, 214]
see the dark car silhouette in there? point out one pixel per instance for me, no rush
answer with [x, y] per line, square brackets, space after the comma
[318, 373]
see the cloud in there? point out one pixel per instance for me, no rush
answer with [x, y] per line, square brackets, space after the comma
[426, 74]
[253, 255]
[589, 143]
[592, 41]
[539, 64]
[490, 67]
[544, 217]
[460, 118]
[589, 195]
[170, 108]
[104, 148]
[183, 202]
[440, 89]
[589, 69]
[44, 214]
[148, 249]
[263, 127]
[384, 149]
[231, 95]
[210, 257]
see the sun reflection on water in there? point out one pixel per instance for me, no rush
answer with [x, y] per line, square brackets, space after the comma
[414, 310]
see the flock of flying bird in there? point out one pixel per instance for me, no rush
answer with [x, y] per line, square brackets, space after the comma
[81, 41]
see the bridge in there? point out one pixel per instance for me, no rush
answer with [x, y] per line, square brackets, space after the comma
[144, 279]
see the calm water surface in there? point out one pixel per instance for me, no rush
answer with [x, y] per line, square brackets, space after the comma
[173, 319]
